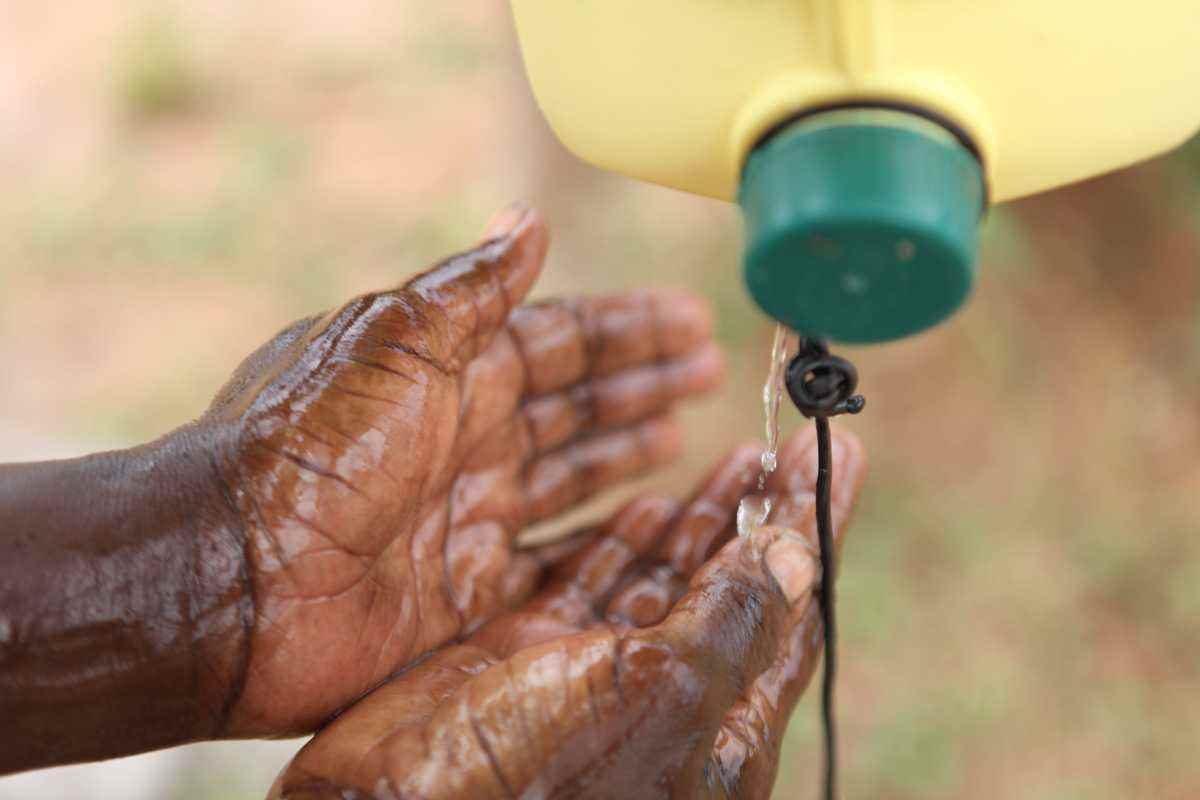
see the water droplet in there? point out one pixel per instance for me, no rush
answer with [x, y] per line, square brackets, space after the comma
[752, 513]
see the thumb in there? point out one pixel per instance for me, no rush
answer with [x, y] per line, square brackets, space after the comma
[474, 291]
[731, 621]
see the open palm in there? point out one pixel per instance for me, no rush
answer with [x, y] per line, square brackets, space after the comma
[637, 670]
[383, 458]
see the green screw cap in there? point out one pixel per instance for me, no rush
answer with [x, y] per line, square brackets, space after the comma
[862, 224]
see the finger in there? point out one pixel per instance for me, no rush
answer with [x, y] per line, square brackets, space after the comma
[746, 749]
[500, 731]
[561, 479]
[595, 714]
[582, 585]
[712, 512]
[529, 564]
[521, 581]
[536, 386]
[584, 569]
[645, 599]
[472, 293]
[792, 486]
[709, 522]
[633, 394]
[520, 630]
[729, 624]
[477, 556]
[567, 341]
[705, 524]
[798, 466]
[348, 750]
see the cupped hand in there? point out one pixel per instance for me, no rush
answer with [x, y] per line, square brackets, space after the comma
[636, 671]
[382, 459]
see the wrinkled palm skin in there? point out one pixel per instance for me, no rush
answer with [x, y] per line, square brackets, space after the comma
[618, 679]
[383, 458]
[333, 547]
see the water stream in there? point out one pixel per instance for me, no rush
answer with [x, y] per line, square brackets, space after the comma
[755, 508]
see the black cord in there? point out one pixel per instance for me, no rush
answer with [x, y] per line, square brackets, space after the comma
[823, 386]
[828, 619]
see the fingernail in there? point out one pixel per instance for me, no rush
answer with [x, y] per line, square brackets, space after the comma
[505, 221]
[793, 568]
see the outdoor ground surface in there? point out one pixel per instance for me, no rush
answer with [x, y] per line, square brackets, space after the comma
[1021, 592]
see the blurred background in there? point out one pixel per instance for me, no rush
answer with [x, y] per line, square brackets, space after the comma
[1020, 596]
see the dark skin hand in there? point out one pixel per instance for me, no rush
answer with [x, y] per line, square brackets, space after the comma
[386, 465]
[636, 671]
[349, 505]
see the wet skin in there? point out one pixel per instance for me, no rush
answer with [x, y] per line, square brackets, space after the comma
[639, 669]
[348, 504]
[347, 512]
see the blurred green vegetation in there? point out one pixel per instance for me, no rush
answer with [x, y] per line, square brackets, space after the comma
[1021, 589]
[156, 75]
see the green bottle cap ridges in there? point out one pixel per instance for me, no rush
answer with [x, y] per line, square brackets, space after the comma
[862, 225]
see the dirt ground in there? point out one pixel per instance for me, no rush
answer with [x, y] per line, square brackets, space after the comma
[1021, 591]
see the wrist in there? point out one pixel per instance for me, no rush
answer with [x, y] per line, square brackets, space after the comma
[189, 468]
[124, 600]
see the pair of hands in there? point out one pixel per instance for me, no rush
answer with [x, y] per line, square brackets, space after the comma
[382, 461]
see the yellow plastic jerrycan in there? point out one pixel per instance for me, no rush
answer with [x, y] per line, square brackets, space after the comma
[864, 138]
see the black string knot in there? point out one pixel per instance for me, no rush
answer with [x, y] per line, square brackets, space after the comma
[821, 384]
